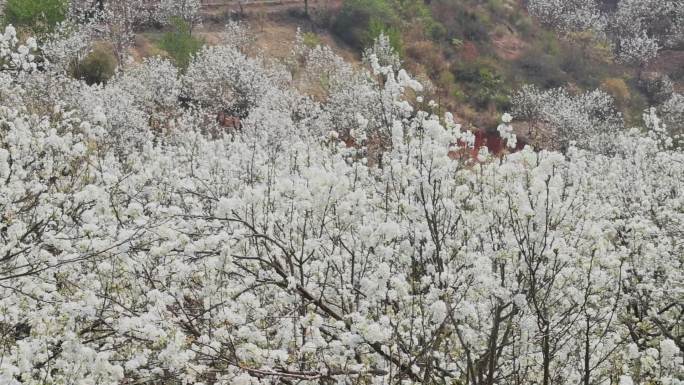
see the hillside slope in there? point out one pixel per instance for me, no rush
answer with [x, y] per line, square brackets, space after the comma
[475, 53]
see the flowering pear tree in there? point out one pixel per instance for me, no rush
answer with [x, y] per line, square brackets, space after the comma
[637, 29]
[155, 88]
[186, 10]
[383, 52]
[672, 113]
[117, 20]
[568, 16]
[587, 120]
[69, 44]
[16, 58]
[238, 35]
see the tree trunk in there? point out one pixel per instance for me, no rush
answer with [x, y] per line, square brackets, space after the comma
[546, 353]
[587, 352]
[493, 339]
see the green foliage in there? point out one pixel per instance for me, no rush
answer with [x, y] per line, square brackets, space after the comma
[311, 39]
[457, 94]
[180, 44]
[473, 27]
[462, 21]
[98, 67]
[361, 21]
[377, 27]
[497, 7]
[416, 12]
[585, 72]
[436, 31]
[540, 69]
[38, 15]
[483, 83]
[548, 43]
[356, 17]
[460, 31]
[638, 103]
[618, 89]
[523, 24]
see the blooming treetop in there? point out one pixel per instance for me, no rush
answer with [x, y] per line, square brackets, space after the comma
[588, 120]
[186, 10]
[637, 29]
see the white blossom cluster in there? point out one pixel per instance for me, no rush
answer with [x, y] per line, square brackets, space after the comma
[115, 21]
[384, 53]
[588, 120]
[69, 44]
[279, 254]
[186, 10]
[672, 112]
[569, 15]
[14, 57]
[637, 29]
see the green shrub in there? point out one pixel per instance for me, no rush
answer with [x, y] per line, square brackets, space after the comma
[417, 12]
[523, 24]
[497, 7]
[638, 102]
[584, 71]
[458, 94]
[180, 44]
[38, 15]
[461, 22]
[311, 39]
[618, 89]
[98, 67]
[541, 69]
[474, 27]
[548, 43]
[377, 27]
[436, 31]
[483, 84]
[361, 21]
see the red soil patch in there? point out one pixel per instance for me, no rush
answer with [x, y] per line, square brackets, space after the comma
[496, 145]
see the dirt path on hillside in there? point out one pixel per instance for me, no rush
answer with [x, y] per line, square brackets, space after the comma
[217, 7]
[271, 21]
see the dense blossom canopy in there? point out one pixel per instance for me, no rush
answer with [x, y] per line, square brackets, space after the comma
[331, 240]
[636, 29]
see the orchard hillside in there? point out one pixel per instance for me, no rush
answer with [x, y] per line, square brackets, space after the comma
[341, 192]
